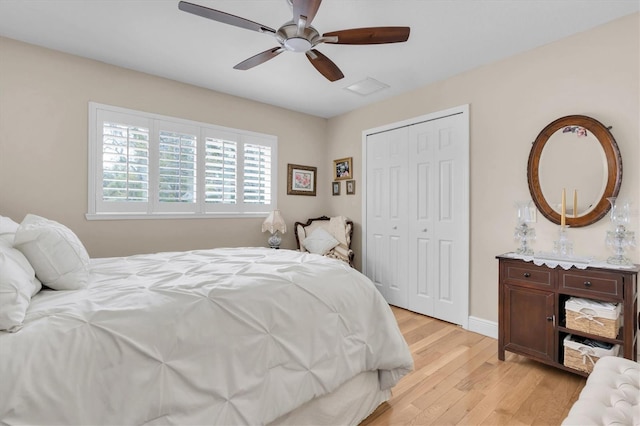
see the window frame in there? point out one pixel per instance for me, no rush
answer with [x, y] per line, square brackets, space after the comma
[98, 209]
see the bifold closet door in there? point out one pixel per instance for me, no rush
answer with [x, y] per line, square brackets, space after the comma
[417, 214]
[387, 203]
[438, 236]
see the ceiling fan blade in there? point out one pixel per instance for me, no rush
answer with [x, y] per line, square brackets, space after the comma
[259, 58]
[373, 35]
[307, 8]
[324, 65]
[225, 18]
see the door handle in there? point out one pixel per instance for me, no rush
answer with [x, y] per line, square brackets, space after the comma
[552, 318]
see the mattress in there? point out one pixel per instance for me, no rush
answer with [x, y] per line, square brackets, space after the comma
[222, 336]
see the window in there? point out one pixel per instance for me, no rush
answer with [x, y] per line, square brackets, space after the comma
[147, 165]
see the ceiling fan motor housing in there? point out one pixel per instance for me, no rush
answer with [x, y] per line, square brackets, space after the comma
[291, 39]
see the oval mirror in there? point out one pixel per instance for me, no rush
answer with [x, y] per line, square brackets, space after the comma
[579, 155]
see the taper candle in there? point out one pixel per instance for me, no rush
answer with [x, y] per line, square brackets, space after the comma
[575, 203]
[563, 216]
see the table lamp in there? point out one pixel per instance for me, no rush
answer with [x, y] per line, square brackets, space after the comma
[274, 223]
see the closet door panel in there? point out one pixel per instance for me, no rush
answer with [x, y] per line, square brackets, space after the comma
[377, 202]
[422, 200]
[451, 230]
[375, 267]
[422, 250]
[397, 218]
[386, 214]
[445, 258]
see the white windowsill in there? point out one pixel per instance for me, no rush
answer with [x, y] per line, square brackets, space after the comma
[146, 216]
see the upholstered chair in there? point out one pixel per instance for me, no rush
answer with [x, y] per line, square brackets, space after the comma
[327, 236]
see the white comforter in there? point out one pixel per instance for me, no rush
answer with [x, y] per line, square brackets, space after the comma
[223, 336]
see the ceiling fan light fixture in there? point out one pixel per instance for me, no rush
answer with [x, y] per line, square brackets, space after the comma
[297, 44]
[367, 86]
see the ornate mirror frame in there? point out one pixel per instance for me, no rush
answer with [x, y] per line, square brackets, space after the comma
[614, 169]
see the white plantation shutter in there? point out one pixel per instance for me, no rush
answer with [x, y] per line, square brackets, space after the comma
[125, 163]
[221, 171]
[177, 168]
[146, 165]
[257, 174]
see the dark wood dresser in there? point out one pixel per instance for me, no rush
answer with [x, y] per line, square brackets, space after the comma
[531, 319]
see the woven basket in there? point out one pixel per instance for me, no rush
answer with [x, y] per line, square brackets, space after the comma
[577, 361]
[592, 324]
[583, 318]
[583, 358]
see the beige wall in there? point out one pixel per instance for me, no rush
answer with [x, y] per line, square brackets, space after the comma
[595, 73]
[43, 148]
[43, 142]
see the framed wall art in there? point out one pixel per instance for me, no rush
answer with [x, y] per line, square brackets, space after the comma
[351, 187]
[335, 188]
[342, 169]
[301, 180]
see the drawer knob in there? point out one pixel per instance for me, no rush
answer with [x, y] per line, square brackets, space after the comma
[587, 284]
[527, 275]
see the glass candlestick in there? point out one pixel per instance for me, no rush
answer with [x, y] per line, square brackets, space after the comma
[619, 238]
[523, 231]
[563, 246]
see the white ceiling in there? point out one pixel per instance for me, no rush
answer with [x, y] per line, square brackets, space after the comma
[447, 37]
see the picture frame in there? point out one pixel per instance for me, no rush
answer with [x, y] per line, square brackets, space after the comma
[351, 187]
[335, 188]
[343, 169]
[301, 180]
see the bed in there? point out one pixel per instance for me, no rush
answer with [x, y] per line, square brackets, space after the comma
[221, 336]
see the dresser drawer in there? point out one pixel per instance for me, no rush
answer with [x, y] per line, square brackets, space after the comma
[522, 273]
[591, 283]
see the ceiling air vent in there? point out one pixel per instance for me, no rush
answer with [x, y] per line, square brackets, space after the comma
[367, 86]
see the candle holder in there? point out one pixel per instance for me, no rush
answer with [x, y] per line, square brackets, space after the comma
[563, 247]
[619, 239]
[523, 232]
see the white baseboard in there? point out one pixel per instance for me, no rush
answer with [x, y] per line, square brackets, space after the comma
[484, 327]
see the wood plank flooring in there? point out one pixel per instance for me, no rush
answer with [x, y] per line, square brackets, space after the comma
[458, 380]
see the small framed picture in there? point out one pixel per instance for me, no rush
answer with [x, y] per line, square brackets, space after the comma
[335, 188]
[351, 187]
[342, 169]
[301, 180]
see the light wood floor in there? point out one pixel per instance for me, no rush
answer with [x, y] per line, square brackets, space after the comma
[458, 380]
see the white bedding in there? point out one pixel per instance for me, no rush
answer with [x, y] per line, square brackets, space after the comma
[223, 336]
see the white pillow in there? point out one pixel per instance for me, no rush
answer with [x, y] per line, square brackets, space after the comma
[319, 242]
[60, 260]
[18, 283]
[7, 230]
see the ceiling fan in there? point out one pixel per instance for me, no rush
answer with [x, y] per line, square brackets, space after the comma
[298, 35]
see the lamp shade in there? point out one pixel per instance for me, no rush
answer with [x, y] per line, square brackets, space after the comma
[274, 222]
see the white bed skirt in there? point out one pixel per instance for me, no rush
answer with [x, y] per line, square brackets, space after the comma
[352, 402]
